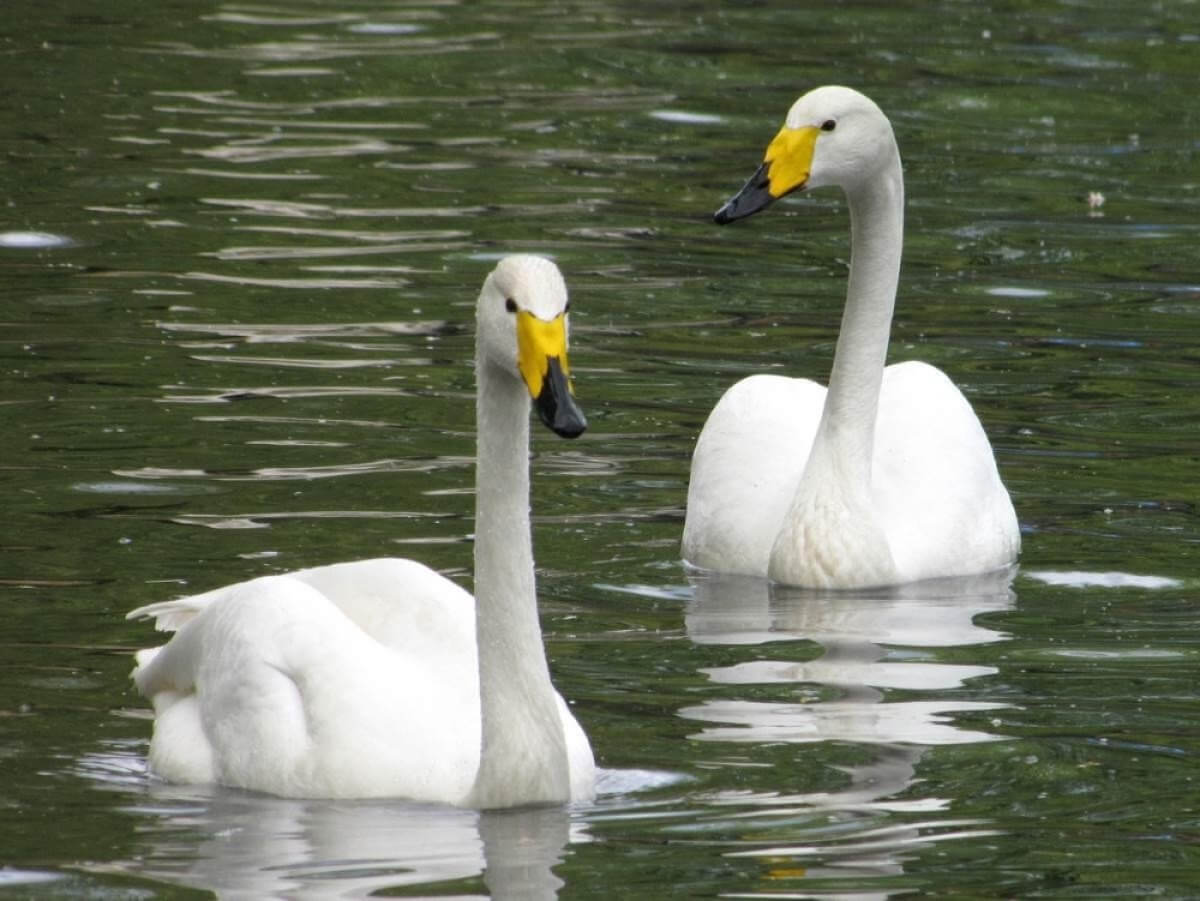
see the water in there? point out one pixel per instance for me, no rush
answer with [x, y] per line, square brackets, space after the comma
[239, 248]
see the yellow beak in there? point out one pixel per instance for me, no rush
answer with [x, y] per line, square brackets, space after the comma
[537, 342]
[542, 360]
[786, 167]
[789, 159]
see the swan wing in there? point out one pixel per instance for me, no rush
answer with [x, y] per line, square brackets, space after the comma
[747, 463]
[400, 603]
[580, 760]
[273, 687]
[934, 482]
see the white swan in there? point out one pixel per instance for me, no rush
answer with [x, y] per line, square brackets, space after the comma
[381, 678]
[887, 477]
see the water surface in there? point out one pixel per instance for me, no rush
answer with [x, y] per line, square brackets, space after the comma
[239, 250]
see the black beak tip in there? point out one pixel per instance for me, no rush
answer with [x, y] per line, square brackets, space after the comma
[564, 419]
[754, 196]
[556, 406]
[569, 426]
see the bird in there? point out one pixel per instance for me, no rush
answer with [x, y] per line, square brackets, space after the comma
[886, 477]
[380, 677]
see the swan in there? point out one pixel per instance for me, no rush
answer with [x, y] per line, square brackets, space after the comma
[380, 677]
[887, 476]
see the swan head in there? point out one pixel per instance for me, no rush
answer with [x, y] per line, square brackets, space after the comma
[832, 136]
[522, 334]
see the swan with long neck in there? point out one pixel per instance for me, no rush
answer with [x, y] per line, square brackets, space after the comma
[887, 476]
[380, 677]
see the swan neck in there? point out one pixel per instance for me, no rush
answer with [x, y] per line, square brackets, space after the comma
[523, 754]
[877, 234]
[503, 545]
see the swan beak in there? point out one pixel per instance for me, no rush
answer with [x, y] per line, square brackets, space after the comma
[785, 168]
[542, 359]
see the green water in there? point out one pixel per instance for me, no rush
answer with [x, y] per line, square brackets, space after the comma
[245, 346]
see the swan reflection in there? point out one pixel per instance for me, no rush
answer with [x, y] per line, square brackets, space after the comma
[864, 643]
[239, 844]
[853, 630]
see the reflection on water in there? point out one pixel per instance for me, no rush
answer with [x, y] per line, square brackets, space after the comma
[937, 613]
[33, 240]
[1079, 579]
[243, 845]
[870, 644]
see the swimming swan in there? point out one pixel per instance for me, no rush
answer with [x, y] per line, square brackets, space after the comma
[887, 477]
[381, 678]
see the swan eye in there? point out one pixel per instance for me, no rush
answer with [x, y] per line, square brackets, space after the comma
[510, 305]
[567, 307]
[828, 125]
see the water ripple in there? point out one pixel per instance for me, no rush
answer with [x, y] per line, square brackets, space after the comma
[307, 210]
[263, 520]
[322, 49]
[302, 473]
[298, 363]
[378, 281]
[229, 395]
[268, 149]
[308, 252]
[290, 333]
[1078, 579]
[899, 722]
[19, 240]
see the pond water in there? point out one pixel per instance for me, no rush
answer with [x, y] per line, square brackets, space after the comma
[239, 250]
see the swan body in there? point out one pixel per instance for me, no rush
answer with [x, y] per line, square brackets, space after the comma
[886, 476]
[380, 677]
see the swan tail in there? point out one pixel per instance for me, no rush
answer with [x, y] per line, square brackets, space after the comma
[144, 657]
[170, 616]
[168, 670]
